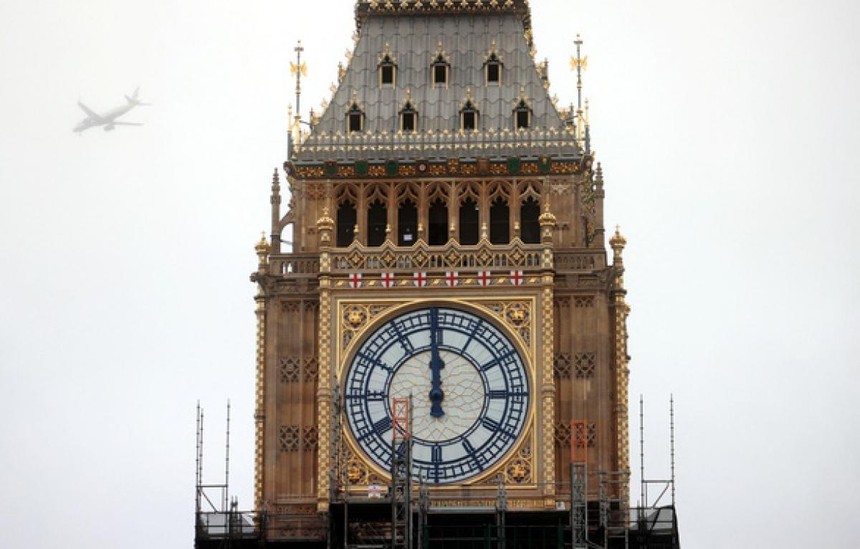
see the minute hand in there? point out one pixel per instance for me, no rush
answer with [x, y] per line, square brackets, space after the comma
[436, 365]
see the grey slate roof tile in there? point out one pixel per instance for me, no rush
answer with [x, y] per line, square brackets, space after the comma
[413, 42]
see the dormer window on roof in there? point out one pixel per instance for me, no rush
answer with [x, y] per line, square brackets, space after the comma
[522, 115]
[441, 70]
[408, 118]
[354, 119]
[493, 69]
[469, 116]
[387, 72]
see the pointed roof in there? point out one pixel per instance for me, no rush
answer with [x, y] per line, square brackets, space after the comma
[464, 34]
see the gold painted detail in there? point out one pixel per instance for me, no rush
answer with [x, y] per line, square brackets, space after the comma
[356, 317]
[516, 314]
[356, 472]
[498, 259]
[548, 390]
[259, 417]
[324, 402]
[458, 169]
[622, 373]
[511, 503]
[519, 469]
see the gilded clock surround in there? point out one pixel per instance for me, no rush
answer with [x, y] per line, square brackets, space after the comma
[510, 315]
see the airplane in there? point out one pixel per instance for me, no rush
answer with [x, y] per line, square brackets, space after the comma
[109, 119]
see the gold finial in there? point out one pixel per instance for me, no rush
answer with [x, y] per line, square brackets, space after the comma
[578, 64]
[325, 226]
[263, 248]
[618, 242]
[547, 217]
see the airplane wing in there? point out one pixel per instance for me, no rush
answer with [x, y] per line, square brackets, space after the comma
[91, 113]
[118, 123]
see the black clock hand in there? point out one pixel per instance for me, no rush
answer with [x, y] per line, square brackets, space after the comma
[436, 365]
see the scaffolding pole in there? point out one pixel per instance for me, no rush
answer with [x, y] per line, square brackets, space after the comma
[579, 483]
[501, 511]
[614, 513]
[423, 511]
[401, 474]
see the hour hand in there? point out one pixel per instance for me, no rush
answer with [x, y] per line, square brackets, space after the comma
[436, 365]
[436, 393]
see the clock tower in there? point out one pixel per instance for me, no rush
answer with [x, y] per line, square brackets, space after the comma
[447, 300]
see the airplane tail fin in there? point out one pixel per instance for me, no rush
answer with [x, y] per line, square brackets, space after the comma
[133, 100]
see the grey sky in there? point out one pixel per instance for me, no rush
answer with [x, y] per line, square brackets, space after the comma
[728, 132]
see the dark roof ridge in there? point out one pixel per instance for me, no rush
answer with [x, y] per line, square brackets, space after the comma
[366, 8]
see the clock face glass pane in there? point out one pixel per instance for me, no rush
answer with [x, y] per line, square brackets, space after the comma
[467, 382]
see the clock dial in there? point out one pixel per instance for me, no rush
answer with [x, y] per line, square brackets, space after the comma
[469, 389]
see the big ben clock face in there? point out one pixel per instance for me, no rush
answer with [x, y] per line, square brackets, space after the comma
[469, 389]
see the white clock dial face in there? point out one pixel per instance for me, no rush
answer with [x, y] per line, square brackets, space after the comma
[467, 381]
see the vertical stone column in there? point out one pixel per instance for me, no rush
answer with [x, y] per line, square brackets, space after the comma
[548, 391]
[622, 372]
[325, 226]
[262, 248]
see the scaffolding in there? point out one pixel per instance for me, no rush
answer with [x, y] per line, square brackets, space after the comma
[401, 474]
[218, 521]
[656, 520]
[403, 517]
[579, 484]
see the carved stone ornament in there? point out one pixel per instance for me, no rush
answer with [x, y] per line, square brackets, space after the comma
[519, 469]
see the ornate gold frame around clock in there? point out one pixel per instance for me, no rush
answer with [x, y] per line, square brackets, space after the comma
[513, 314]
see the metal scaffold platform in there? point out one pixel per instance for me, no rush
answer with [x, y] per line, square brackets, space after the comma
[402, 514]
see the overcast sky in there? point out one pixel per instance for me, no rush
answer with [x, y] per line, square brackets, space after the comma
[728, 132]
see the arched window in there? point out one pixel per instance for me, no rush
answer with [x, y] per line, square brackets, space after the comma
[493, 69]
[346, 220]
[377, 219]
[438, 221]
[441, 71]
[408, 118]
[407, 223]
[468, 222]
[499, 222]
[387, 72]
[522, 115]
[469, 117]
[354, 119]
[529, 225]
